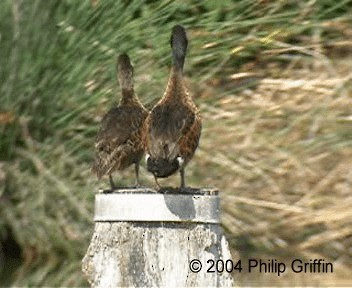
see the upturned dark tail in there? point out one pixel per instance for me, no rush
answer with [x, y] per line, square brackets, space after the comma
[162, 168]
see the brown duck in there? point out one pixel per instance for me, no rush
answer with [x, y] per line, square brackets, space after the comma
[118, 143]
[172, 129]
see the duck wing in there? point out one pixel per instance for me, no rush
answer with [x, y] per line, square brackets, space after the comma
[166, 126]
[118, 135]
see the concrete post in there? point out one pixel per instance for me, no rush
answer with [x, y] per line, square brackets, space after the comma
[145, 238]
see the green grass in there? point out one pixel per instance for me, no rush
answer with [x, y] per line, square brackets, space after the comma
[278, 144]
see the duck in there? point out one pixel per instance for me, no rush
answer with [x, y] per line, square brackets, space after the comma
[172, 129]
[118, 143]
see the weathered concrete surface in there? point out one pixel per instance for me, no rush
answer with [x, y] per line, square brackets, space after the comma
[146, 254]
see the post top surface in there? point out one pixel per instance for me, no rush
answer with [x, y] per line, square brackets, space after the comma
[163, 190]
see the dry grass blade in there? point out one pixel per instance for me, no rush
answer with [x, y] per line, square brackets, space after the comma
[64, 190]
[264, 204]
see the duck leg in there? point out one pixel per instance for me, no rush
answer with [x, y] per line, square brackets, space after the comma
[112, 184]
[157, 183]
[136, 170]
[182, 174]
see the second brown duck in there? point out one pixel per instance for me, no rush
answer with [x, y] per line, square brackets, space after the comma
[172, 129]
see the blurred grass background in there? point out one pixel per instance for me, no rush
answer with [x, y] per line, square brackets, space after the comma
[272, 80]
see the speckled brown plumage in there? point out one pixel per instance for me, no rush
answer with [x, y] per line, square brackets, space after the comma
[118, 143]
[172, 129]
